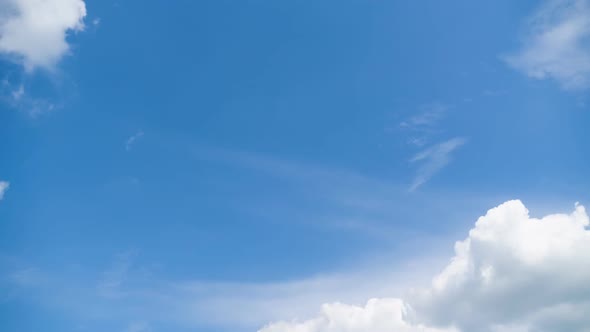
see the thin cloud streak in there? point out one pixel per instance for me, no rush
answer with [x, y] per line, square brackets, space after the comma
[421, 127]
[433, 160]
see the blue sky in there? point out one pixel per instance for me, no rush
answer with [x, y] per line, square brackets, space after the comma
[218, 165]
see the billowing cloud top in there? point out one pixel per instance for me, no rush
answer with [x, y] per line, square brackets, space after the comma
[33, 32]
[512, 273]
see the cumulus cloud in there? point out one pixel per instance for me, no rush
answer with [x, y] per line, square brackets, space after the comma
[512, 273]
[557, 44]
[379, 315]
[3, 188]
[433, 160]
[515, 271]
[33, 32]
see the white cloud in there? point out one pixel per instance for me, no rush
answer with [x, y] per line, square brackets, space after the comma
[132, 140]
[513, 273]
[379, 315]
[33, 32]
[557, 44]
[433, 160]
[4, 185]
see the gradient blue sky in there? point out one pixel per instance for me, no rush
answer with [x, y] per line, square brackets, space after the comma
[186, 162]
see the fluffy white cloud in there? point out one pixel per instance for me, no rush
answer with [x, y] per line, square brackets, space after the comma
[34, 31]
[3, 187]
[379, 315]
[513, 273]
[557, 44]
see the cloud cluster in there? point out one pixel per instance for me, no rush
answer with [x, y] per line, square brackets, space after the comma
[557, 44]
[513, 273]
[33, 32]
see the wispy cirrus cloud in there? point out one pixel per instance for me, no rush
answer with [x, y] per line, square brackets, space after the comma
[557, 44]
[421, 126]
[423, 130]
[428, 115]
[433, 159]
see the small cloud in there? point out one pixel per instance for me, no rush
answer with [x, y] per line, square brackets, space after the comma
[4, 185]
[429, 116]
[18, 93]
[18, 98]
[493, 93]
[417, 141]
[424, 124]
[132, 140]
[138, 327]
[433, 160]
[557, 44]
[96, 21]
